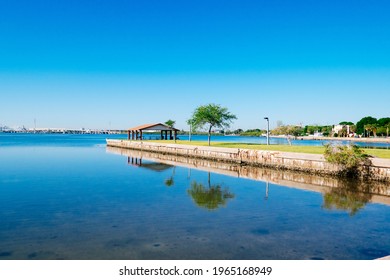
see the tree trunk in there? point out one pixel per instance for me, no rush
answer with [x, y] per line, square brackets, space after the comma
[209, 136]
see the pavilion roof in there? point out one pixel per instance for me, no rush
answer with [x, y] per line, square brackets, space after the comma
[154, 126]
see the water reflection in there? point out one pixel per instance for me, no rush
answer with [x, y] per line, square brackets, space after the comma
[103, 208]
[211, 197]
[349, 196]
[266, 191]
[151, 165]
[170, 181]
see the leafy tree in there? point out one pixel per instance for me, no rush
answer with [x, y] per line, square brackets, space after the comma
[343, 132]
[295, 130]
[384, 126]
[170, 123]
[382, 130]
[311, 129]
[364, 121]
[288, 130]
[346, 123]
[212, 116]
[326, 130]
[252, 132]
[238, 131]
[383, 121]
[352, 128]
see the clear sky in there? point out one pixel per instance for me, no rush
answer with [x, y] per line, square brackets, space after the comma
[121, 63]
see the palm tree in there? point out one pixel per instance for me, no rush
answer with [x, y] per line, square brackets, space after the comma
[370, 128]
[170, 123]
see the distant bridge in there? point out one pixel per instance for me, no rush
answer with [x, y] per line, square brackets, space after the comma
[62, 131]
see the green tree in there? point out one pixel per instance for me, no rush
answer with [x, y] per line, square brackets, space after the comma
[170, 123]
[384, 126]
[326, 130]
[238, 131]
[383, 121]
[371, 128]
[343, 132]
[288, 130]
[364, 121]
[346, 123]
[311, 129]
[212, 116]
[295, 130]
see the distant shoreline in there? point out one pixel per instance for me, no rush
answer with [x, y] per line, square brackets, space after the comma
[364, 140]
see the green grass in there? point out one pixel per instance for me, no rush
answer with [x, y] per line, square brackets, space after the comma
[380, 153]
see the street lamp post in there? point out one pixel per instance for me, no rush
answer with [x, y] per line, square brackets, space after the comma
[266, 118]
[190, 132]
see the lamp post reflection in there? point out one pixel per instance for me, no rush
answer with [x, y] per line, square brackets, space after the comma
[266, 190]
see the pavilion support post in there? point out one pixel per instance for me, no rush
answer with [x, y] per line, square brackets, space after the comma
[128, 135]
[166, 134]
[170, 135]
[140, 132]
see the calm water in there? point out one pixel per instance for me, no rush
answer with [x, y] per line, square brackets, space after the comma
[67, 197]
[87, 140]
[281, 141]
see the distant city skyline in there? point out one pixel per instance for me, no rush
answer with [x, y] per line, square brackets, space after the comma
[118, 64]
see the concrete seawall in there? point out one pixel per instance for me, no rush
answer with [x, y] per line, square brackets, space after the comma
[309, 163]
[378, 192]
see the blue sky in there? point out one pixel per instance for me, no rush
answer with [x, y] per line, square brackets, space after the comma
[100, 64]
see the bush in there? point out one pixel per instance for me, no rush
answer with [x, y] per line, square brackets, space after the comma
[350, 157]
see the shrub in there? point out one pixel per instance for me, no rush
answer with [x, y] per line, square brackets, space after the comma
[350, 157]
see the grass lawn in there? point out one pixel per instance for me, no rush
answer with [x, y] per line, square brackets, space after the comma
[380, 153]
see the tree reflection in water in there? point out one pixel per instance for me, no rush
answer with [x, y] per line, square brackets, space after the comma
[211, 197]
[350, 196]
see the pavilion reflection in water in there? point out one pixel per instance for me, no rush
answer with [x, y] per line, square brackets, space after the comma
[151, 165]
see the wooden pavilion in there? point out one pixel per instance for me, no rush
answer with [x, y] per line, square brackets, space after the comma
[136, 133]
